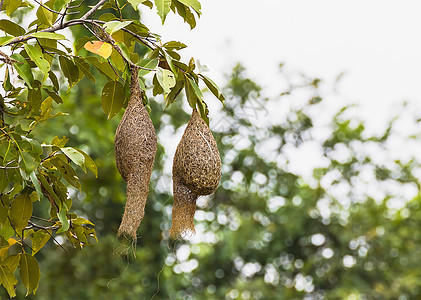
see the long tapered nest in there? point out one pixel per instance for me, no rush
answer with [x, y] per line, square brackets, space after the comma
[196, 172]
[135, 149]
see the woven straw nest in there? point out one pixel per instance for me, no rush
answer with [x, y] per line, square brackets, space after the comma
[135, 149]
[196, 172]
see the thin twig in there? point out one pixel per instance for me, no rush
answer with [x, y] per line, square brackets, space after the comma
[119, 10]
[5, 132]
[42, 219]
[33, 225]
[76, 6]
[115, 72]
[47, 8]
[9, 168]
[90, 30]
[61, 20]
[1, 4]
[49, 156]
[93, 9]
[6, 58]
[56, 241]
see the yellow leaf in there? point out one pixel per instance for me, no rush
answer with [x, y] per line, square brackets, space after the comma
[11, 241]
[101, 48]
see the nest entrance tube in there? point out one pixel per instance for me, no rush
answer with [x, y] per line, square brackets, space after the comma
[196, 172]
[135, 149]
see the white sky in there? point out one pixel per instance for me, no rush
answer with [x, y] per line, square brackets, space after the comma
[377, 43]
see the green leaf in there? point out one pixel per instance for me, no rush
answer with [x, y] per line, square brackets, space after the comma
[54, 95]
[163, 7]
[195, 4]
[13, 5]
[147, 63]
[8, 280]
[85, 68]
[27, 162]
[36, 184]
[196, 88]
[82, 221]
[23, 69]
[103, 67]
[61, 162]
[135, 3]
[7, 85]
[35, 98]
[54, 80]
[38, 58]
[62, 216]
[76, 157]
[175, 91]
[203, 110]
[174, 45]
[45, 16]
[213, 87]
[46, 112]
[185, 13]
[70, 70]
[192, 65]
[89, 163]
[29, 273]
[59, 4]
[157, 89]
[170, 62]
[11, 28]
[3, 210]
[5, 39]
[6, 230]
[190, 19]
[190, 94]
[39, 239]
[112, 98]
[49, 190]
[12, 262]
[48, 35]
[196, 97]
[166, 79]
[20, 211]
[59, 142]
[124, 50]
[114, 26]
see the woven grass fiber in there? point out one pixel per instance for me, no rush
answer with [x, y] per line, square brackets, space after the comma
[196, 172]
[135, 149]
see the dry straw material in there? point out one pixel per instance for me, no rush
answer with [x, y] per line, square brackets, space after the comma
[196, 172]
[135, 149]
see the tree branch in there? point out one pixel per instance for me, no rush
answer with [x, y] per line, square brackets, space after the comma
[59, 25]
[93, 9]
[8, 168]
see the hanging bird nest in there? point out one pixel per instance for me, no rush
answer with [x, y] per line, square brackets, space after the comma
[196, 172]
[135, 149]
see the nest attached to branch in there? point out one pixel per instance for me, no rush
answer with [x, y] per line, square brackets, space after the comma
[196, 172]
[135, 149]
